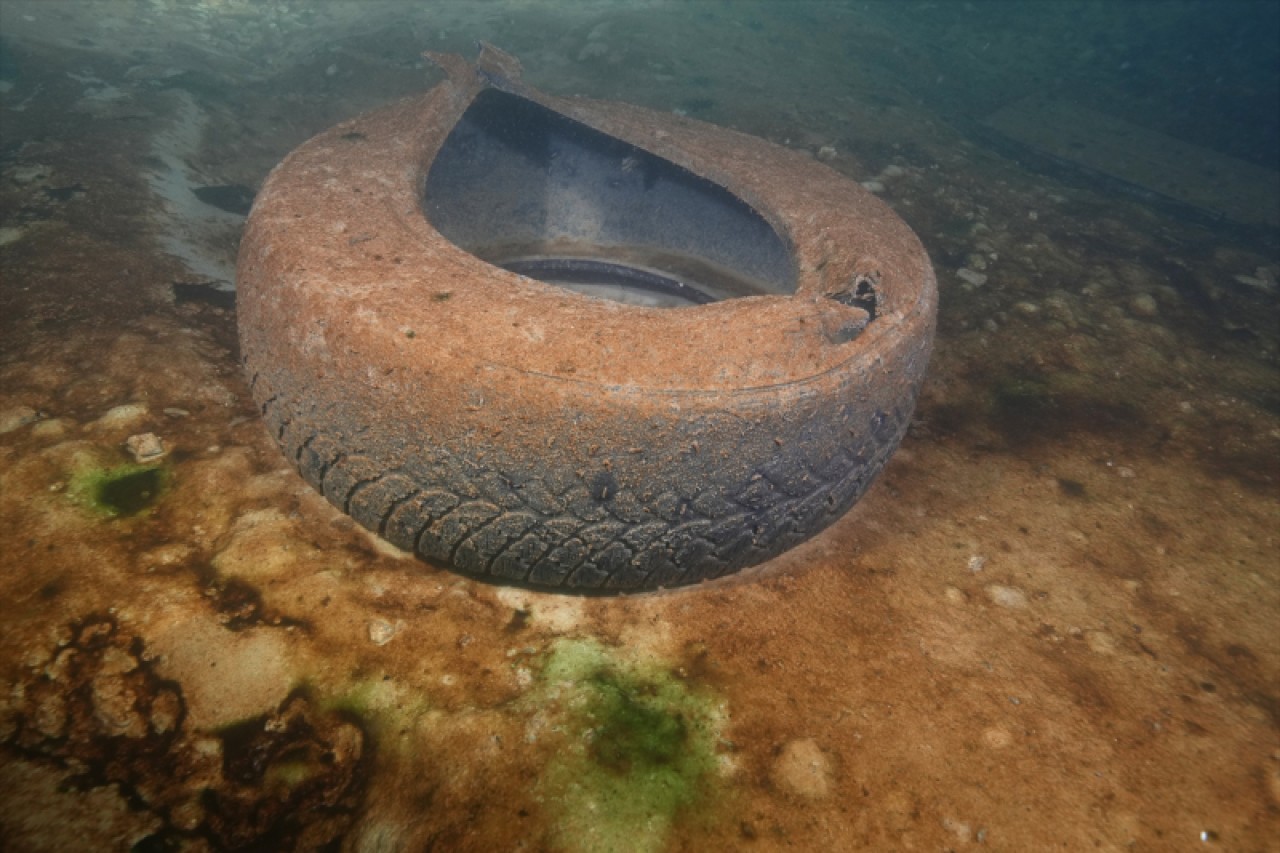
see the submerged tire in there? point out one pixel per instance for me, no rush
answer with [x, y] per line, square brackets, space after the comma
[519, 432]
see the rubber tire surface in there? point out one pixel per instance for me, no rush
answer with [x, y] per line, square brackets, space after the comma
[559, 529]
[566, 474]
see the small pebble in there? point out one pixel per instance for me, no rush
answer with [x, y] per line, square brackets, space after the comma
[959, 828]
[145, 446]
[1059, 309]
[803, 770]
[29, 174]
[827, 152]
[52, 428]
[1007, 596]
[873, 186]
[1143, 305]
[969, 276]
[997, 737]
[381, 631]
[1100, 642]
[17, 417]
[166, 556]
[119, 416]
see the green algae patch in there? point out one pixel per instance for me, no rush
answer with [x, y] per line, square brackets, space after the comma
[386, 710]
[640, 749]
[361, 699]
[119, 491]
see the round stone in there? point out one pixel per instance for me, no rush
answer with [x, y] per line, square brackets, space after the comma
[803, 770]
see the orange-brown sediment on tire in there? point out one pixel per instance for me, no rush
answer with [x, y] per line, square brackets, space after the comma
[524, 433]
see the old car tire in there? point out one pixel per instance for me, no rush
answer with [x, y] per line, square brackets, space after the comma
[520, 432]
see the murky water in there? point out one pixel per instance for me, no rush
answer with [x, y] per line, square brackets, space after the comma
[1051, 624]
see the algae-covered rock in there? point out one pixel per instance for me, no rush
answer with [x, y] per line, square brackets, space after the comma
[120, 490]
[640, 751]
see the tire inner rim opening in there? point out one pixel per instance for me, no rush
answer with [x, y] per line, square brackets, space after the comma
[525, 188]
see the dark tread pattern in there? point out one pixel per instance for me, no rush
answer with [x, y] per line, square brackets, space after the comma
[577, 533]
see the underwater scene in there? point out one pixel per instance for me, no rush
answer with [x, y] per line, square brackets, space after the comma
[409, 497]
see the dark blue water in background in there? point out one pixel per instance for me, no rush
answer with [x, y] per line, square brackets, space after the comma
[1203, 71]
